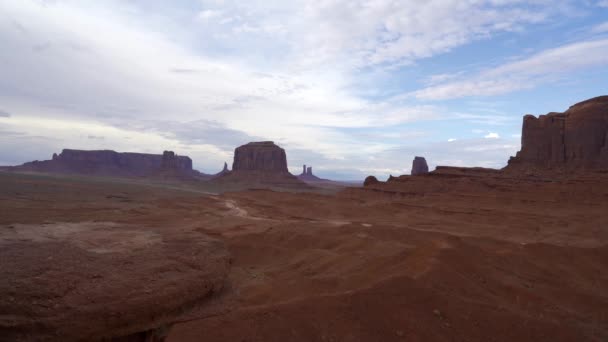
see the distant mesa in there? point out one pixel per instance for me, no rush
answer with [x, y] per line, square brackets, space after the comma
[419, 166]
[174, 166]
[114, 164]
[262, 156]
[260, 164]
[571, 141]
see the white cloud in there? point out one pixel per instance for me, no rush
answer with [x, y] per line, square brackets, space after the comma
[492, 135]
[209, 14]
[235, 70]
[601, 28]
[523, 74]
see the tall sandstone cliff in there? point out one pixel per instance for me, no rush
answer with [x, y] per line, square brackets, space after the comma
[574, 140]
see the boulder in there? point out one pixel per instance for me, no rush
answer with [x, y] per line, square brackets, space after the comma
[574, 140]
[419, 166]
[262, 156]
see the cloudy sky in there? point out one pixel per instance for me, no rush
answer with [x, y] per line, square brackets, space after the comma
[350, 87]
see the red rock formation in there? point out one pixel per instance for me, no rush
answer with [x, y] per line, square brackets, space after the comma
[223, 172]
[370, 180]
[308, 176]
[419, 166]
[169, 161]
[108, 163]
[574, 140]
[133, 290]
[260, 165]
[262, 156]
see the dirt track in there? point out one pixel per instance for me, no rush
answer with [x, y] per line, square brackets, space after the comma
[432, 259]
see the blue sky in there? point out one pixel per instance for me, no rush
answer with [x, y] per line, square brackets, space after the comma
[352, 88]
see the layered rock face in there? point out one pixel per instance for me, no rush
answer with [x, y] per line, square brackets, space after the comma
[259, 165]
[573, 140]
[262, 156]
[107, 162]
[419, 166]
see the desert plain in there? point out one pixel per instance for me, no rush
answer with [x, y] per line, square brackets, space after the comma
[448, 256]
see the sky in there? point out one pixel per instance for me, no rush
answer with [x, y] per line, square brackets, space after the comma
[352, 88]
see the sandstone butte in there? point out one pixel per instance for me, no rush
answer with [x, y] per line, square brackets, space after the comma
[260, 164]
[419, 166]
[575, 140]
[264, 156]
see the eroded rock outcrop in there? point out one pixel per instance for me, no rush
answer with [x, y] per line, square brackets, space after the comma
[370, 180]
[223, 172]
[259, 165]
[308, 176]
[574, 140]
[103, 282]
[262, 156]
[110, 163]
[419, 166]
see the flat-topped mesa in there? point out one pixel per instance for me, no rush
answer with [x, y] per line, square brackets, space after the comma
[262, 156]
[419, 166]
[574, 140]
[108, 163]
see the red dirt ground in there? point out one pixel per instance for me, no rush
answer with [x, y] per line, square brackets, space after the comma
[429, 258]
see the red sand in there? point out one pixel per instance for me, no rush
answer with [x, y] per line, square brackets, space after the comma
[429, 258]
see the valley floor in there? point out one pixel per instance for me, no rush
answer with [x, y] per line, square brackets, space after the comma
[431, 258]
